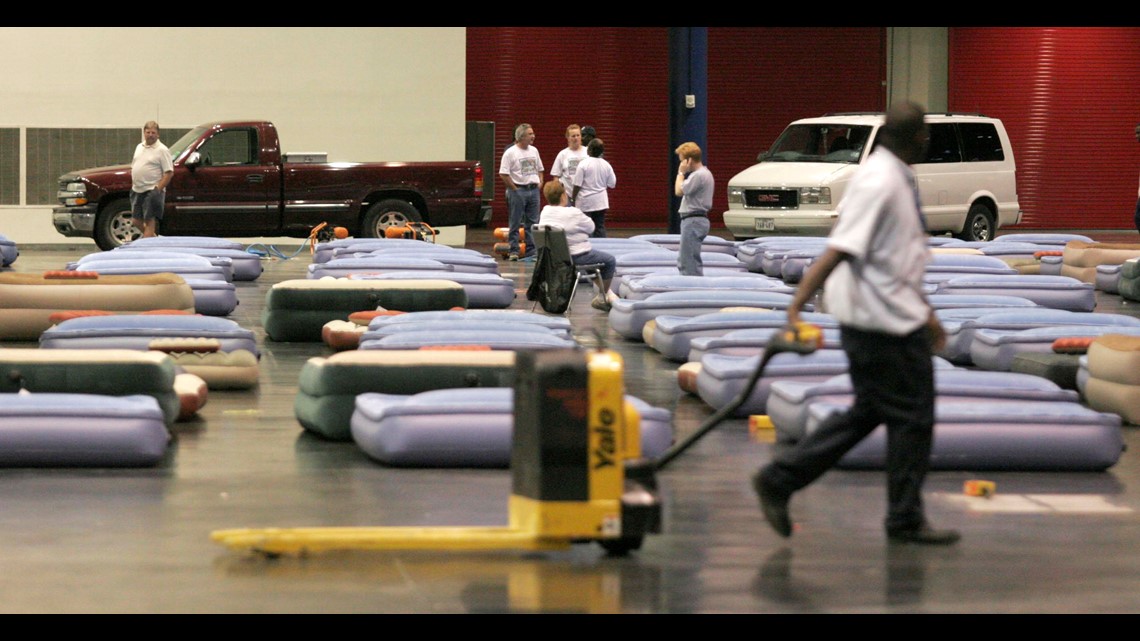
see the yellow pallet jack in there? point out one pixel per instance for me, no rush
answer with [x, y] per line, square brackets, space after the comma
[576, 466]
[574, 436]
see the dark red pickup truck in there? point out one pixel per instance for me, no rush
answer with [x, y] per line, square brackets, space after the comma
[231, 179]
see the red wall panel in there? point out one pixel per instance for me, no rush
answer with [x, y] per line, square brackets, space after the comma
[760, 79]
[616, 79]
[1069, 100]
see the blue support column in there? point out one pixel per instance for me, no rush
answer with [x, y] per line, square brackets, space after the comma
[688, 77]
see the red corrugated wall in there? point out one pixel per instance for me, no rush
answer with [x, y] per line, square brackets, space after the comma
[760, 79]
[616, 79]
[1070, 101]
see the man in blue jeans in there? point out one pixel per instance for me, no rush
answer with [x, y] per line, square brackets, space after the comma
[695, 185]
[874, 264]
[522, 173]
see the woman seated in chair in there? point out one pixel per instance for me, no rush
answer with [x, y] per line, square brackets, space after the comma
[578, 227]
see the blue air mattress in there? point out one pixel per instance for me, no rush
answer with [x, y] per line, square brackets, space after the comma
[484, 290]
[628, 317]
[1053, 436]
[81, 430]
[789, 401]
[464, 428]
[673, 335]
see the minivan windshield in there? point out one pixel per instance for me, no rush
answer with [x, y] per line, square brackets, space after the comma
[829, 142]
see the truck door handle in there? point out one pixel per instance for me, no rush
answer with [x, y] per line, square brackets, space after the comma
[254, 178]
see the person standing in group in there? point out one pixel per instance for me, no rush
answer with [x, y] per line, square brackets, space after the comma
[522, 173]
[873, 267]
[694, 184]
[578, 226]
[567, 160]
[151, 171]
[588, 134]
[594, 176]
[1136, 216]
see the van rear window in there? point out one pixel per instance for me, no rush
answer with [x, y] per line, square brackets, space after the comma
[980, 142]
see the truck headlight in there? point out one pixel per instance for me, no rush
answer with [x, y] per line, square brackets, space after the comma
[735, 195]
[73, 194]
[815, 195]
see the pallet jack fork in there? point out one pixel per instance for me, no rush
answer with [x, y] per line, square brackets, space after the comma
[576, 467]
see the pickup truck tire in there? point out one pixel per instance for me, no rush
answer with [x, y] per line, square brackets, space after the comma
[385, 214]
[113, 227]
[979, 224]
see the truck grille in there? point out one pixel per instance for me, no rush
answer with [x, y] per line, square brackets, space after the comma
[771, 198]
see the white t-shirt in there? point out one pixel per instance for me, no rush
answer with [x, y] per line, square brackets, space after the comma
[565, 164]
[578, 226]
[880, 226]
[148, 166]
[593, 177]
[522, 165]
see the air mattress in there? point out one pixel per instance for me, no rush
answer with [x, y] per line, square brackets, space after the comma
[297, 310]
[27, 301]
[1026, 437]
[328, 386]
[81, 430]
[464, 428]
[628, 317]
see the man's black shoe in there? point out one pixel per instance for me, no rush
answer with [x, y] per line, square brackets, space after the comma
[774, 506]
[925, 535]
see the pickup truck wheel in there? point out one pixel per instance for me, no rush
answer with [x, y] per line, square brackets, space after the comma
[979, 224]
[113, 227]
[385, 214]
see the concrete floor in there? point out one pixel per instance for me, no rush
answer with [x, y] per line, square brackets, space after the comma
[138, 540]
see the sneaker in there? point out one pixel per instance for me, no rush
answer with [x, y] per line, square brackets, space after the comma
[600, 304]
[774, 506]
[514, 256]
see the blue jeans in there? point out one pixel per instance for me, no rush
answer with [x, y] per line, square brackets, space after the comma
[693, 232]
[593, 257]
[522, 207]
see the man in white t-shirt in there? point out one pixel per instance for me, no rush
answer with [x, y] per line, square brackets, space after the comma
[151, 171]
[566, 162]
[522, 174]
[594, 176]
[873, 266]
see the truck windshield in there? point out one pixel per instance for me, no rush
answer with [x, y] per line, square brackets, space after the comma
[178, 147]
[837, 143]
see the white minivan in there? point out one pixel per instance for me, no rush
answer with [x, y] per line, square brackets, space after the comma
[967, 182]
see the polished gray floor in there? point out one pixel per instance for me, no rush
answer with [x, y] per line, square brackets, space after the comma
[138, 540]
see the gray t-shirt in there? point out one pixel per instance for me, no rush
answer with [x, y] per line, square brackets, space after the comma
[697, 192]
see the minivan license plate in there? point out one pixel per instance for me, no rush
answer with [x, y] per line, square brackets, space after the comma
[765, 224]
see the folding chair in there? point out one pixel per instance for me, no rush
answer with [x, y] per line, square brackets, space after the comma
[556, 277]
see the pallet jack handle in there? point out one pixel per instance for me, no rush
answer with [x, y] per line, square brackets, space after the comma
[801, 338]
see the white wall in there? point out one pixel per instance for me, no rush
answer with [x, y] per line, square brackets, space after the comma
[362, 94]
[918, 64]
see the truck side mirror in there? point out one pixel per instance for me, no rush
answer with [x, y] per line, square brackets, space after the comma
[193, 160]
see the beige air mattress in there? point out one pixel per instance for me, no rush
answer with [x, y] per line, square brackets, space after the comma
[27, 301]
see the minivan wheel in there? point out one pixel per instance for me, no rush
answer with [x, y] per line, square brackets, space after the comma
[979, 224]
